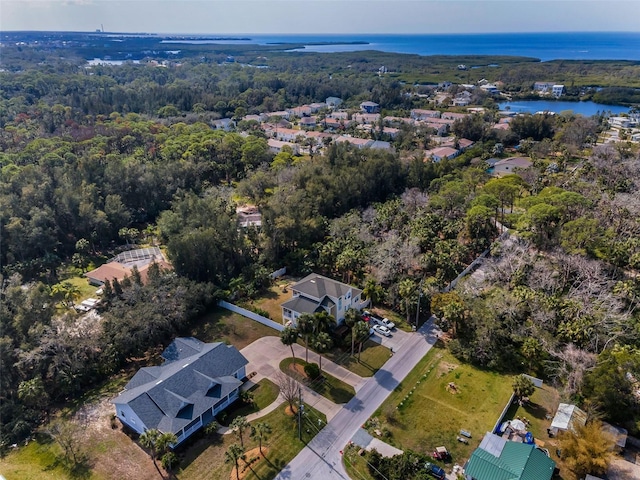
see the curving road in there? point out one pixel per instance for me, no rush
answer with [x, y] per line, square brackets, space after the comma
[321, 458]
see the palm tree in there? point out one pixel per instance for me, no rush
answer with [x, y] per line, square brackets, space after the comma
[169, 460]
[33, 392]
[373, 291]
[289, 336]
[232, 455]
[165, 441]
[67, 291]
[157, 442]
[306, 327]
[321, 343]
[406, 289]
[239, 425]
[322, 322]
[260, 431]
[351, 317]
[149, 440]
[454, 313]
[361, 332]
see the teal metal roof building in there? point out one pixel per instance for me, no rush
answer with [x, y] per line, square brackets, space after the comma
[499, 459]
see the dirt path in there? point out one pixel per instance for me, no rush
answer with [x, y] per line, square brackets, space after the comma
[112, 453]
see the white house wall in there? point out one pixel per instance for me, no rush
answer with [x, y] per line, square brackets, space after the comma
[127, 416]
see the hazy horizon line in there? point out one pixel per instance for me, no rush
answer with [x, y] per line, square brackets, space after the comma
[226, 35]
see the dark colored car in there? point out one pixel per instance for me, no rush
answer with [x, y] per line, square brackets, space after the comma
[435, 471]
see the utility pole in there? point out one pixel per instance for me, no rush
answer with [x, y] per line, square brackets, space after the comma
[418, 306]
[299, 414]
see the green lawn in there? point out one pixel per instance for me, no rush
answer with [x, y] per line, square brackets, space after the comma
[543, 403]
[264, 393]
[328, 386]
[372, 358]
[425, 411]
[222, 325]
[354, 464]
[205, 459]
[271, 300]
[36, 461]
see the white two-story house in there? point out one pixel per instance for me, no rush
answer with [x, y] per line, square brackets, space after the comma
[315, 293]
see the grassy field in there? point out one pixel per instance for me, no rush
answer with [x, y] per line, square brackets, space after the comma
[264, 393]
[354, 464]
[270, 302]
[373, 357]
[538, 411]
[223, 325]
[328, 386]
[438, 398]
[205, 459]
[36, 461]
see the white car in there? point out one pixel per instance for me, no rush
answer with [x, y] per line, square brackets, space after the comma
[387, 323]
[382, 330]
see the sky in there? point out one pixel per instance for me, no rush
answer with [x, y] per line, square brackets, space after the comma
[321, 16]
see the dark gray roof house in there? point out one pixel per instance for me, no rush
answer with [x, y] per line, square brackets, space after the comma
[196, 381]
[315, 293]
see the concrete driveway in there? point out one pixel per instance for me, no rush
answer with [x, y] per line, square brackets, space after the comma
[394, 342]
[265, 355]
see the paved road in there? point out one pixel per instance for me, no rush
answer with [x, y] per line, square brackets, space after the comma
[265, 355]
[321, 458]
[397, 338]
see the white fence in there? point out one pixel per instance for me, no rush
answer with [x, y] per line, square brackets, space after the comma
[252, 315]
[473, 264]
[536, 381]
[278, 273]
[504, 412]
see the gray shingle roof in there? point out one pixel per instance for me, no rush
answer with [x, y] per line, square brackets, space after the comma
[194, 377]
[301, 305]
[182, 347]
[317, 286]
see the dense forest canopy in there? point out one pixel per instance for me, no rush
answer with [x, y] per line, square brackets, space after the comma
[96, 159]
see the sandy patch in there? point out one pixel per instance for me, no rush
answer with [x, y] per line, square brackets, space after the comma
[446, 367]
[112, 453]
[253, 458]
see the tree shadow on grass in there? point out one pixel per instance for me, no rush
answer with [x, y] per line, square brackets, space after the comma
[192, 450]
[535, 410]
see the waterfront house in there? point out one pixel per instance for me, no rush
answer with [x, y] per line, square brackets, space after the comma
[557, 90]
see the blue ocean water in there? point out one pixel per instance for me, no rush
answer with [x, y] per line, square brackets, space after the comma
[582, 108]
[545, 46]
